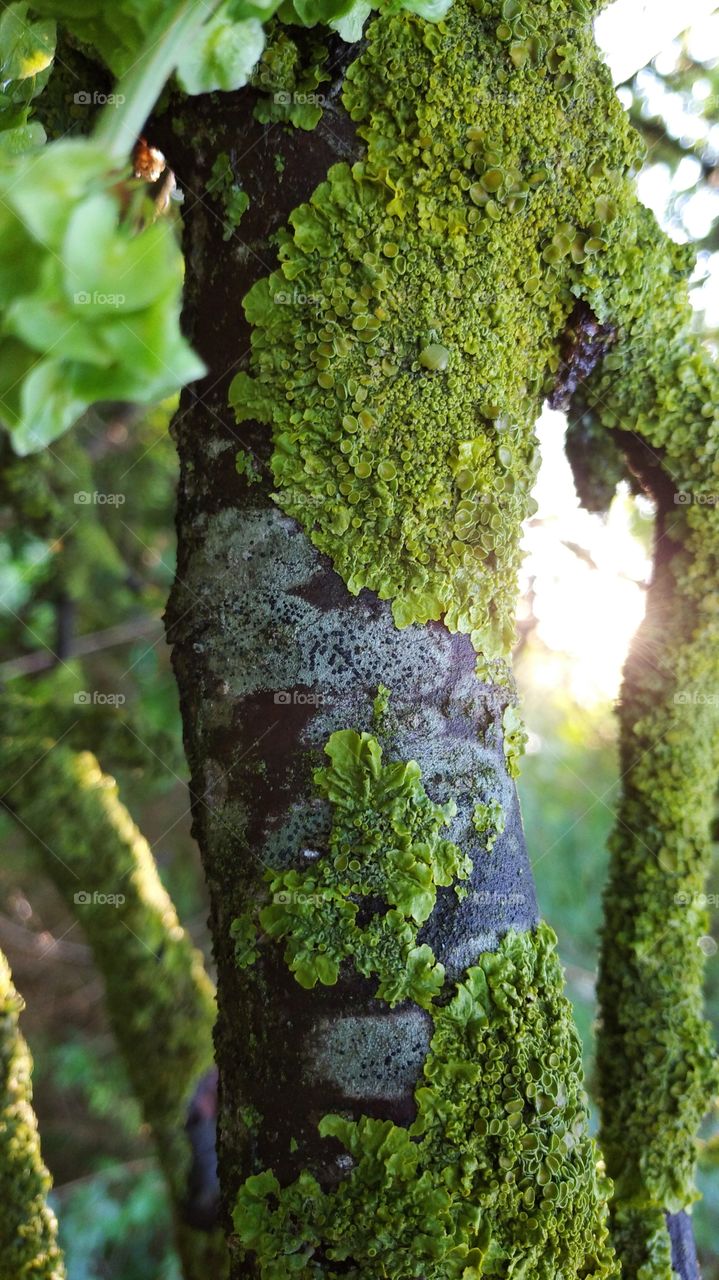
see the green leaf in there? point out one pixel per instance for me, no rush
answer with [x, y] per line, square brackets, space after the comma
[351, 24]
[114, 268]
[224, 56]
[44, 190]
[26, 47]
[49, 407]
[26, 137]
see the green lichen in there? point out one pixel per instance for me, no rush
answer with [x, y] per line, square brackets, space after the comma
[380, 706]
[289, 74]
[496, 192]
[28, 1245]
[489, 821]
[106, 874]
[225, 188]
[245, 935]
[496, 1176]
[657, 1067]
[515, 739]
[385, 844]
[246, 465]
[403, 413]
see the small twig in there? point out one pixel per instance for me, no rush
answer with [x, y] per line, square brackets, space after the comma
[42, 660]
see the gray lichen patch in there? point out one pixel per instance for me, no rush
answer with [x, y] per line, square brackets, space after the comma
[370, 1056]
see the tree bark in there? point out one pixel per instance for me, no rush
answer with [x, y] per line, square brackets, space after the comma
[273, 655]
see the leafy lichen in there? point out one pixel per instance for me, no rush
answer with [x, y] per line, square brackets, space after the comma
[385, 845]
[496, 192]
[496, 1176]
[403, 413]
[225, 188]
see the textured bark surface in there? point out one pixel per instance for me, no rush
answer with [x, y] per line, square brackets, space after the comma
[272, 654]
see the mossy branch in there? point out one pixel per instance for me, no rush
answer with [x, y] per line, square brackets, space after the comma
[28, 1244]
[160, 1000]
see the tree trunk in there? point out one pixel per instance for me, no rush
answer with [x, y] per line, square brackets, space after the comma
[458, 1139]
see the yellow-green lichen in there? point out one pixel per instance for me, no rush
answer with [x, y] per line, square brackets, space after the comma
[385, 844]
[496, 192]
[288, 75]
[28, 1245]
[403, 402]
[225, 188]
[496, 1176]
[489, 820]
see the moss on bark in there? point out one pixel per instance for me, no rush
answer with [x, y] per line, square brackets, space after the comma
[28, 1244]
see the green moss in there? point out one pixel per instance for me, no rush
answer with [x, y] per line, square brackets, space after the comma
[496, 1176]
[28, 1228]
